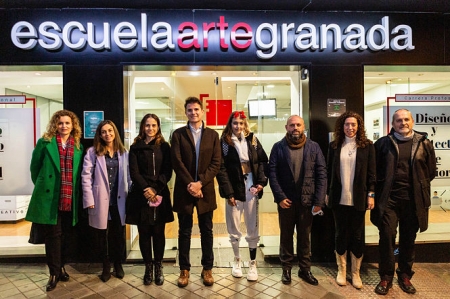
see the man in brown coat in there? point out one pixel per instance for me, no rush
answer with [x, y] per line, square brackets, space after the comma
[196, 159]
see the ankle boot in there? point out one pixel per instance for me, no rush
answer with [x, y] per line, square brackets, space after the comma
[341, 261]
[148, 275]
[159, 276]
[106, 274]
[356, 265]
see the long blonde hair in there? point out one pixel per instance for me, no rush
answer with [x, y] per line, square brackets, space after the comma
[228, 131]
[99, 143]
[52, 127]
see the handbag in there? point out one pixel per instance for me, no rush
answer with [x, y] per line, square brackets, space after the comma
[37, 234]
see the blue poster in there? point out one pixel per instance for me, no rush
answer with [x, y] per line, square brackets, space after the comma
[91, 121]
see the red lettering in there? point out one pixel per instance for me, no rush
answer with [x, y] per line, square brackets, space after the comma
[186, 36]
[240, 36]
[222, 26]
[206, 29]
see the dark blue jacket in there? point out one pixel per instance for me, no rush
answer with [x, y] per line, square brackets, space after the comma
[313, 174]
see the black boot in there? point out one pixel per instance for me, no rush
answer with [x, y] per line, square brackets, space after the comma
[159, 276]
[64, 276]
[148, 275]
[51, 284]
[119, 270]
[106, 274]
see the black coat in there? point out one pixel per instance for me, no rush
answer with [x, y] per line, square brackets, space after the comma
[423, 163]
[150, 166]
[231, 179]
[363, 182]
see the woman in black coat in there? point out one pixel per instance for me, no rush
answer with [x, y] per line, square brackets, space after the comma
[351, 184]
[150, 206]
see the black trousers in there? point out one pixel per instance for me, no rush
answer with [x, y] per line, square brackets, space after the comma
[147, 234]
[59, 242]
[205, 224]
[111, 241]
[349, 230]
[300, 217]
[402, 213]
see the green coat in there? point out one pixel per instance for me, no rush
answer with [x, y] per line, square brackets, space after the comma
[46, 176]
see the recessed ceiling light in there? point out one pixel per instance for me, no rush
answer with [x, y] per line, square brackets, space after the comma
[37, 74]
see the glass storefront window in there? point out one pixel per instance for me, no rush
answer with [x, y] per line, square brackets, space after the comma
[427, 96]
[20, 125]
[163, 89]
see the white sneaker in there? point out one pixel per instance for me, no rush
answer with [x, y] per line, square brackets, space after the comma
[237, 270]
[252, 274]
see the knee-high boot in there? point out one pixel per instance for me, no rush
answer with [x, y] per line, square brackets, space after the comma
[341, 261]
[356, 266]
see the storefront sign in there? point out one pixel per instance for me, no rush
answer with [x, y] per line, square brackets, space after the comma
[167, 35]
[20, 99]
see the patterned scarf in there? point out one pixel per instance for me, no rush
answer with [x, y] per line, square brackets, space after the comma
[297, 143]
[66, 164]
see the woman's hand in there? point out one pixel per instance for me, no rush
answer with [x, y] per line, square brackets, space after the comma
[370, 203]
[231, 201]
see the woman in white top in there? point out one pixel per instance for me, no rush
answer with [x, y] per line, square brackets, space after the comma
[351, 182]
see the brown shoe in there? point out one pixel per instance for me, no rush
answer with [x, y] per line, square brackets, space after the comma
[183, 280]
[208, 280]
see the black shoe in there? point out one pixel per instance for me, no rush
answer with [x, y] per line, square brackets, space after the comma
[106, 273]
[64, 276]
[52, 282]
[286, 276]
[148, 275]
[406, 285]
[159, 276]
[308, 277]
[119, 270]
[383, 287]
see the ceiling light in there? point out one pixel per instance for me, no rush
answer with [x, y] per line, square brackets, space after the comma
[37, 74]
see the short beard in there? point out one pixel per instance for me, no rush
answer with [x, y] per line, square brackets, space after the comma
[295, 137]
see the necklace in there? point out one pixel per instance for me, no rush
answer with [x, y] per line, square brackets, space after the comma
[351, 148]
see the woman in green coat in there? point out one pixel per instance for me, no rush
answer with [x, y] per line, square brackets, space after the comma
[56, 171]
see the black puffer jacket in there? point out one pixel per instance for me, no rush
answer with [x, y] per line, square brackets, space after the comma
[423, 172]
[231, 178]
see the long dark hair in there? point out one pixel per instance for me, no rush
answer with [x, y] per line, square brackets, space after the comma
[339, 135]
[141, 136]
[99, 143]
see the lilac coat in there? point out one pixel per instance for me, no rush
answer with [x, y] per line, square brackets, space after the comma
[95, 184]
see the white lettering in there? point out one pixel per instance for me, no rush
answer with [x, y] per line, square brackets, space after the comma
[165, 35]
[67, 33]
[272, 45]
[126, 31]
[383, 31]
[44, 31]
[356, 40]
[18, 33]
[106, 44]
[324, 36]
[404, 41]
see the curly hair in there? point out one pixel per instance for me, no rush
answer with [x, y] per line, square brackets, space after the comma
[99, 143]
[159, 137]
[228, 131]
[52, 127]
[339, 136]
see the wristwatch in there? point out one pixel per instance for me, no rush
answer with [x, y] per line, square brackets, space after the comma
[371, 194]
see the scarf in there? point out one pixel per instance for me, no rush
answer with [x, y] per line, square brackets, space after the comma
[66, 164]
[241, 147]
[403, 138]
[297, 143]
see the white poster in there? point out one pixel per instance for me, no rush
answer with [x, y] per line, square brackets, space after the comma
[16, 146]
[434, 120]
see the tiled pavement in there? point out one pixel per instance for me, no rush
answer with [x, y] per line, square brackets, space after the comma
[27, 280]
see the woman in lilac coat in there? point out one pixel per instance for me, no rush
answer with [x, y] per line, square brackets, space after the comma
[105, 180]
